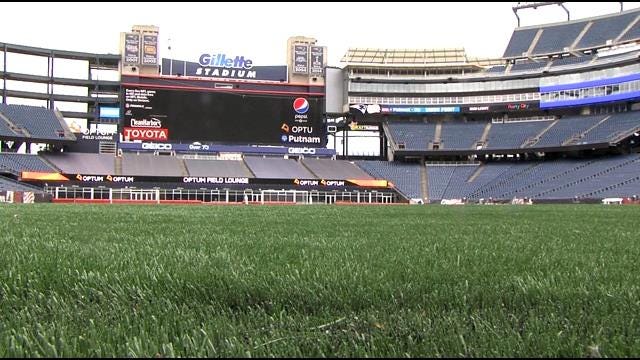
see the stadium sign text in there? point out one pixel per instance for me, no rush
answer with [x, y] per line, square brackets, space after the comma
[215, 180]
[303, 150]
[221, 60]
[145, 134]
[301, 139]
[219, 65]
[155, 146]
[153, 123]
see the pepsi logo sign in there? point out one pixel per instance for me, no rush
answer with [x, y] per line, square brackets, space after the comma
[301, 105]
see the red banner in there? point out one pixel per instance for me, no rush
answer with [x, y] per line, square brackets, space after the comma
[145, 134]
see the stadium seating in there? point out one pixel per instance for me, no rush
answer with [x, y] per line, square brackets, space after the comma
[632, 34]
[458, 183]
[604, 29]
[230, 168]
[513, 135]
[520, 42]
[497, 69]
[557, 38]
[277, 168]
[529, 66]
[40, 123]
[463, 136]
[17, 163]
[83, 163]
[548, 180]
[7, 184]
[151, 165]
[571, 60]
[414, 135]
[334, 169]
[5, 130]
[404, 176]
[565, 128]
[615, 126]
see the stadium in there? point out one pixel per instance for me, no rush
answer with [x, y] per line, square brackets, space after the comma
[554, 121]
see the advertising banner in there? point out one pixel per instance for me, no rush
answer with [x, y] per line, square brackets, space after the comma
[317, 60]
[149, 50]
[300, 59]
[131, 49]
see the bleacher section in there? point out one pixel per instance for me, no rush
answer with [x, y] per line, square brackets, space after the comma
[608, 28]
[439, 177]
[588, 33]
[7, 184]
[277, 168]
[414, 135]
[631, 34]
[334, 169]
[528, 66]
[16, 163]
[571, 130]
[555, 39]
[464, 136]
[404, 176]
[39, 122]
[458, 181]
[520, 42]
[513, 135]
[83, 163]
[230, 168]
[550, 180]
[566, 128]
[571, 60]
[150, 165]
[613, 128]
[497, 69]
[5, 130]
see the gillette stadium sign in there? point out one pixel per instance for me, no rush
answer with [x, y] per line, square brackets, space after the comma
[220, 65]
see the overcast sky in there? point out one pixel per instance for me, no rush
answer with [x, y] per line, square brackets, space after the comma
[259, 31]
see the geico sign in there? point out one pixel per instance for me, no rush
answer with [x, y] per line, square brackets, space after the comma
[155, 146]
[304, 150]
[145, 134]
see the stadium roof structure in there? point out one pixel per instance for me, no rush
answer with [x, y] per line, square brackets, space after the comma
[413, 57]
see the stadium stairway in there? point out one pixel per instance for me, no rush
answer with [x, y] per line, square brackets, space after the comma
[424, 181]
[15, 129]
[532, 141]
[534, 42]
[308, 169]
[485, 134]
[580, 35]
[476, 173]
[68, 134]
[118, 165]
[244, 163]
[629, 27]
[183, 167]
[438, 132]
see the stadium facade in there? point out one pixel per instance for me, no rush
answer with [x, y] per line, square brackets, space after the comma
[556, 118]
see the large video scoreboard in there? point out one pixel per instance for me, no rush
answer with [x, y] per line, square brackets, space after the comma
[185, 116]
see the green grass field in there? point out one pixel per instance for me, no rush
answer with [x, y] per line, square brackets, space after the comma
[116, 280]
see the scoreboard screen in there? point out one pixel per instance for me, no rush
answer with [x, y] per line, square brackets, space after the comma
[184, 116]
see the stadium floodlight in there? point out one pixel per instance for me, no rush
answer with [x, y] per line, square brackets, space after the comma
[535, 5]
